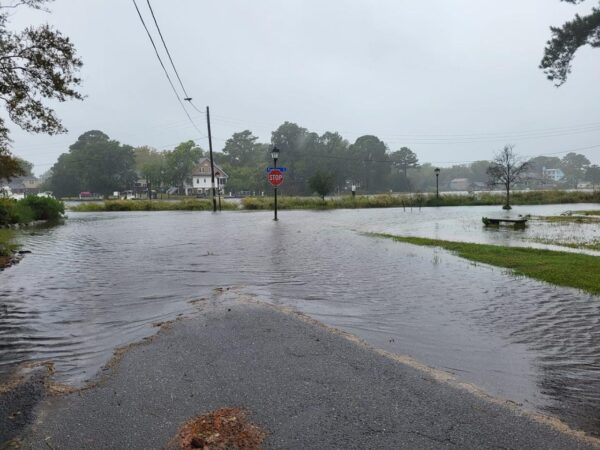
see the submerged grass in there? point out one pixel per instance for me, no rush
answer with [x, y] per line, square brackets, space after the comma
[559, 268]
[567, 219]
[152, 205]
[594, 245]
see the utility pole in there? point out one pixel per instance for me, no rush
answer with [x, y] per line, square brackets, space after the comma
[212, 164]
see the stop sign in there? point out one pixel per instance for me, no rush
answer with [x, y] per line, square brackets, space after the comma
[275, 177]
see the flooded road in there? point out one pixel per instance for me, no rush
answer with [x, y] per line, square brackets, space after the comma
[101, 280]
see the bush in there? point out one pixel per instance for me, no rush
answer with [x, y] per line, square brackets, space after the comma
[44, 208]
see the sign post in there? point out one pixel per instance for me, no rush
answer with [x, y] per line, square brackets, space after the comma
[275, 178]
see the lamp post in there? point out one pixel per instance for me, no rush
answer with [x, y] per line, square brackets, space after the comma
[437, 182]
[275, 156]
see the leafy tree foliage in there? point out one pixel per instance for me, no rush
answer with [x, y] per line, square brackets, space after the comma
[180, 162]
[10, 166]
[403, 160]
[94, 163]
[566, 40]
[574, 166]
[36, 64]
[322, 183]
[505, 170]
[370, 165]
[150, 164]
[593, 174]
[242, 150]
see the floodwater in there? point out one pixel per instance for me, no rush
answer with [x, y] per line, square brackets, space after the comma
[102, 279]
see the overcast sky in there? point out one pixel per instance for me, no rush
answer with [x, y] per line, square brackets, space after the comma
[452, 79]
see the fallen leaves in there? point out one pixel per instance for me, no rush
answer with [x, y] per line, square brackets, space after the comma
[225, 428]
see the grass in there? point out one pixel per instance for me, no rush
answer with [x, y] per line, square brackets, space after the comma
[560, 268]
[590, 213]
[567, 219]
[153, 205]
[6, 245]
[348, 202]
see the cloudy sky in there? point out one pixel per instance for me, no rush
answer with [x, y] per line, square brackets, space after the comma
[452, 79]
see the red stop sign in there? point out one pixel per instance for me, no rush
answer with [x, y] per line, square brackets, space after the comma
[275, 177]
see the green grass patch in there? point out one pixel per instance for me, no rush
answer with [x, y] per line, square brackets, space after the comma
[7, 247]
[590, 213]
[151, 205]
[559, 268]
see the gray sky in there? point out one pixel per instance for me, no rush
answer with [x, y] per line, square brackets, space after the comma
[452, 79]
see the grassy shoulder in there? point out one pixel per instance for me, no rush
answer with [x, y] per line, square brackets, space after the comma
[560, 268]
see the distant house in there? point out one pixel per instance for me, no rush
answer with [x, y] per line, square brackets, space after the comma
[553, 174]
[460, 184]
[201, 178]
[25, 185]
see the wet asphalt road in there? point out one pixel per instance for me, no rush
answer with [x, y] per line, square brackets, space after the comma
[306, 386]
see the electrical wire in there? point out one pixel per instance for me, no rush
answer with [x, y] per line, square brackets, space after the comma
[164, 68]
[187, 96]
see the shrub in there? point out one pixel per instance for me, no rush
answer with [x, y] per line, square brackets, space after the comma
[43, 208]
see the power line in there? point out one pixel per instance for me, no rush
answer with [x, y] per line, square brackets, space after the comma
[164, 68]
[187, 96]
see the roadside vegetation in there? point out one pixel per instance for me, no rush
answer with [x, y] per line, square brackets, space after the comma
[348, 202]
[30, 209]
[560, 268]
[151, 205]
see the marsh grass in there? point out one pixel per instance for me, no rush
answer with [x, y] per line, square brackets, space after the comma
[152, 205]
[560, 268]
[345, 202]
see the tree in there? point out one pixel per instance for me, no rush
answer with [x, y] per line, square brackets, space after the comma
[505, 170]
[94, 163]
[36, 64]
[181, 161]
[370, 165]
[574, 166]
[593, 175]
[322, 183]
[566, 40]
[241, 149]
[10, 166]
[404, 159]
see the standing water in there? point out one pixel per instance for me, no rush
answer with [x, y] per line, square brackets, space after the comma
[101, 280]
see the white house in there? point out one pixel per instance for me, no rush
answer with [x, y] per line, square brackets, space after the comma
[201, 178]
[553, 174]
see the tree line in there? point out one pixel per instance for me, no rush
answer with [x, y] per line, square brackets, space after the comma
[99, 164]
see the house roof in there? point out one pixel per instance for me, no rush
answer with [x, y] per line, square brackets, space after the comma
[206, 162]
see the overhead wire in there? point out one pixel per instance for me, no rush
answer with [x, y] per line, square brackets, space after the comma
[164, 68]
[187, 96]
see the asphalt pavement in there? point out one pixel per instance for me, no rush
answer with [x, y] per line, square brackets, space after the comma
[306, 386]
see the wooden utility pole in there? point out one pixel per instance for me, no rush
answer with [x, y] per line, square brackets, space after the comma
[212, 164]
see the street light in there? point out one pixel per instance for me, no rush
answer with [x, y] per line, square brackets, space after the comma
[275, 156]
[437, 182]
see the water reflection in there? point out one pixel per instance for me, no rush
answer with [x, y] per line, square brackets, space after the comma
[99, 281]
